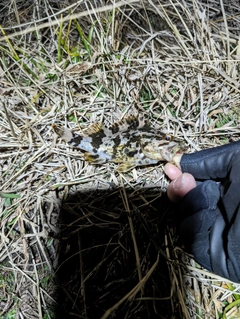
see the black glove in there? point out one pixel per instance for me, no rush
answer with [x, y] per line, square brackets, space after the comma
[211, 212]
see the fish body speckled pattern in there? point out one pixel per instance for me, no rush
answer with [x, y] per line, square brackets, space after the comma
[130, 142]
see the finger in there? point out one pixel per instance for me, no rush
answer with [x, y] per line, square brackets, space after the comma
[172, 171]
[212, 163]
[230, 190]
[234, 247]
[207, 235]
[180, 187]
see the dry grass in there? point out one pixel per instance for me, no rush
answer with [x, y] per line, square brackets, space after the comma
[84, 239]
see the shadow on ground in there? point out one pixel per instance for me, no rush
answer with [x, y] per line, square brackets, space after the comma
[97, 262]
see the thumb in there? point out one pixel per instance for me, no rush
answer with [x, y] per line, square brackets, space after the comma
[181, 184]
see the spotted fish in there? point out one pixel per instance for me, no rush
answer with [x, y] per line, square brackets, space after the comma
[130, 142]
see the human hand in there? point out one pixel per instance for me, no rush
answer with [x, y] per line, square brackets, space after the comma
[210, 207]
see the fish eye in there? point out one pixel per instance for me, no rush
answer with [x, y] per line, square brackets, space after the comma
[168, 137]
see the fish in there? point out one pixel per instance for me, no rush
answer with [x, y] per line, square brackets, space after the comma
[130, 142]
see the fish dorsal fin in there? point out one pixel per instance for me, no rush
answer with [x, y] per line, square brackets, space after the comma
[93, 129]
[130, 122]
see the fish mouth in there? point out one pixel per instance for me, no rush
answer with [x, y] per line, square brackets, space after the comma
[163, 152]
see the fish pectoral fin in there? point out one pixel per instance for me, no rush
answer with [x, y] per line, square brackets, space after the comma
[153, 154]
[125, 167]
[94, 158]
[159, 155]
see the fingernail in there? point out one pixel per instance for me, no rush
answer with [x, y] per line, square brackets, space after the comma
[179, 182]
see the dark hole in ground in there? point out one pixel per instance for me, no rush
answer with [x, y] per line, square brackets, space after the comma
[97, 262]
